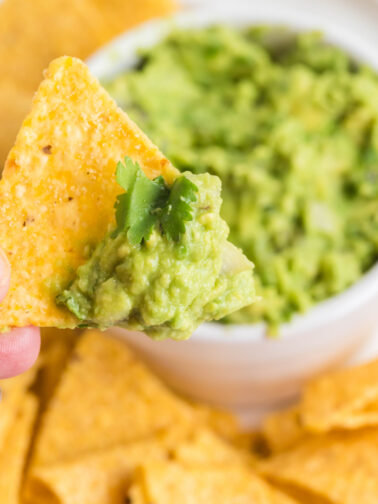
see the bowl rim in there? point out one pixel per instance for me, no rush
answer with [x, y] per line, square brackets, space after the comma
[121, 53]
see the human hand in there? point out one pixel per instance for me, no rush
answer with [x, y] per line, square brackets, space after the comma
[19, 348]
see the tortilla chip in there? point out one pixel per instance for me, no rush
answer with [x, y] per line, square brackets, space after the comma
[102, 477]
[118, 15]
[303, 496]
[341, 467]
[346, 399]
[222, 422]
[56, 347]
[58, 189]
[71, 27]
[25, 27]
[227, 427]
[201, 446]
[251, 443]
[15, 102]
[105, 396]
[13, 392]
[14, 451]
[97, 478]
[172, 483]
[283, 429]
[136, 495]
[75, 28]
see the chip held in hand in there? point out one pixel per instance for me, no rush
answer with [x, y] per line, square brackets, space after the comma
[153, 263]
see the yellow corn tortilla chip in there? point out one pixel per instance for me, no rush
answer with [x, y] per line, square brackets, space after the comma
[222, 422]
[42, 378]
[135, 495]
[105, 397]
[226, 425]
[56, 347]
[58, 189]
[116, 16]
[200, 446]
[15, 102]
[341, 467]
[25, 27]
[102, 477]
[97, 478]
[300, 495]
[171, 483]
[283, 429]
[14, 451]
[13, 392]
[251, 443]
[71, 27]
[346, 399]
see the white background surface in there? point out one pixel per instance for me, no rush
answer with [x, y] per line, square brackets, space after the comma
[360, 15]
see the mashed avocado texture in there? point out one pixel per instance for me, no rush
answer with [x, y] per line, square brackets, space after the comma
[291, 128]
[164, 283]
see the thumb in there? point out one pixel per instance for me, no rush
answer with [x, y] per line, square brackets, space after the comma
[18, 350]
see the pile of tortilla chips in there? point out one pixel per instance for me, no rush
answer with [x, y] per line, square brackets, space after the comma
[92, 425]
[325, 449]
[107, 431]
[33, 32]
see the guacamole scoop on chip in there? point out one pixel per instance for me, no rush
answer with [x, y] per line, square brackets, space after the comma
[159, 261]
[167, 266]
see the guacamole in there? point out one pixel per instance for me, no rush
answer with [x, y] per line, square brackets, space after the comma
[290, 125]
[162, 283]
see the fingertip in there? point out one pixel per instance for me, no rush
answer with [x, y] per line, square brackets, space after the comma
[4, 274]
[19, 350]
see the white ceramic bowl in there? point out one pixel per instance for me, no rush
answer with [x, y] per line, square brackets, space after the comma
[237, 366]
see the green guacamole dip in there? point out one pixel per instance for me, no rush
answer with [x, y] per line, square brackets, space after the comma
[292, 131]
[164, 287]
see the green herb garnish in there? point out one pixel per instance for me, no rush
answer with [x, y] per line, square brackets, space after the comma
[146, 203]
[178, 209]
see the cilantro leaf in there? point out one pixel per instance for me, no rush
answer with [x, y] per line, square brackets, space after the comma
[134, 208]
[147, 202]
[179, 208]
